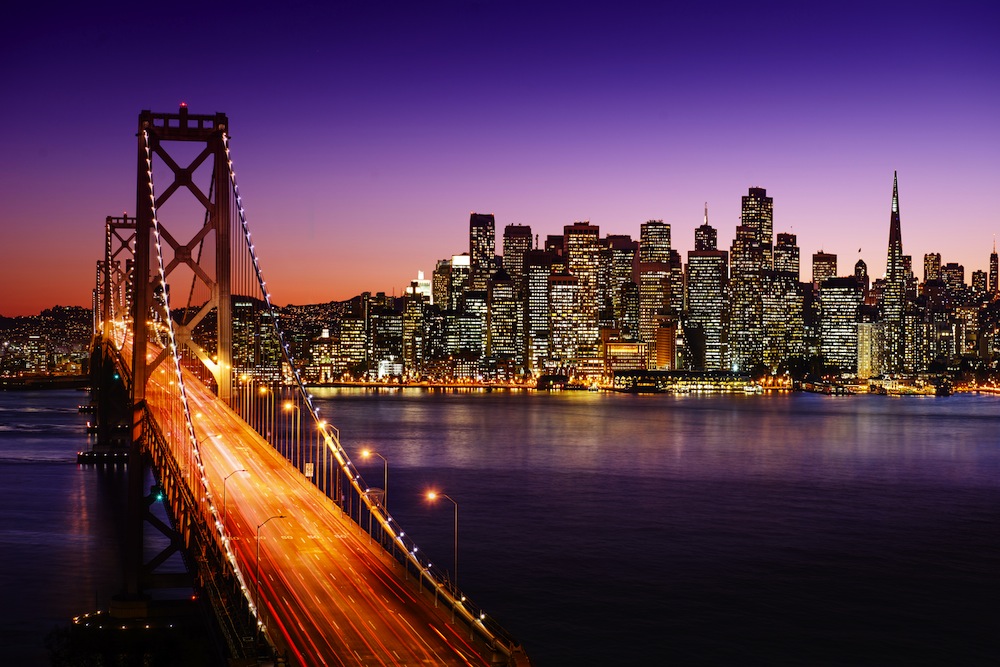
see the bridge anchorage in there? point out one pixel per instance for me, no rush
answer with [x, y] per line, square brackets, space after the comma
[195, 386]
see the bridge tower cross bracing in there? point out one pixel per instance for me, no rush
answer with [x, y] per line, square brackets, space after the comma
[158, 133]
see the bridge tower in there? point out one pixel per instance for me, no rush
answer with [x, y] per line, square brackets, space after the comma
[181, 238]
[112, 307]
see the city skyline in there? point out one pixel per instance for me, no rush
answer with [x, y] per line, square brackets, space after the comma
[363, 138]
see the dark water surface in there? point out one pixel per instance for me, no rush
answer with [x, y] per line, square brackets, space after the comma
[609, 529]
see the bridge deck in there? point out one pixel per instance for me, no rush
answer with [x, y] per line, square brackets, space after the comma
[329, 595]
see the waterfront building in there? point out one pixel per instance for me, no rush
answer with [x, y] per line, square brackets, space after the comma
[581, 250]
[564, 318]
[505, 340]
[414, 333]
[871, 342]
[746, 300]
[621, 253]
[538, 268]
[705, 319]
[840, 301]
[654, 301]
[782, 317]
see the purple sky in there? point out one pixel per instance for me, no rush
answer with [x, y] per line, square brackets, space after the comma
[364, 133]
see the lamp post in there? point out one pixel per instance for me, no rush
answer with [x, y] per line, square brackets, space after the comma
[296, 430]
[224, 513]
[256, 593]
[367, 453]
[434, 495]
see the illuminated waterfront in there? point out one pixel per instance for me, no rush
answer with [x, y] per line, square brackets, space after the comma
[617, 529]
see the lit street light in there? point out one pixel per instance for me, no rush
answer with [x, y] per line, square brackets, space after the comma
[296, 440]
[434, 495]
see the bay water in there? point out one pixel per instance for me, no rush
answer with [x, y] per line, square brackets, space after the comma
[610, 529]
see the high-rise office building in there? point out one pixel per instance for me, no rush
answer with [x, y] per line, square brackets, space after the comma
[654, 241]
[757, 214]
[932, 266]
[582, 252]
[482, 248]
[994, 270]
[538, 268]
[517, 241]
[786, 255]
[782, 313]
[894, 291]
[705, 320]
[621, 254]
[505, 320]
[654, 301]
[461, 269]
[564, 318]
[979, 282]
[746, 300]
[840, 300]
[953, 275]
[706, 237]
[824, 265]
[861, 275]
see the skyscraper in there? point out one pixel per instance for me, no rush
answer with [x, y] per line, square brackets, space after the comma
[746, 299]
[932, 266]
[994, 269]
[654, 241]
[516, 244]
[705, 319]
[582, 252]
[757, 214]
[482, 248]
[841, 300]
[824, 266]
[894, 291]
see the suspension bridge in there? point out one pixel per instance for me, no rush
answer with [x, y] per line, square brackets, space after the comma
[194, 383]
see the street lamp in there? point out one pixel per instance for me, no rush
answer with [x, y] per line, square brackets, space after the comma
[296, 430]
[367, 453]
[224, 480]
[256, 595]
[434, 495]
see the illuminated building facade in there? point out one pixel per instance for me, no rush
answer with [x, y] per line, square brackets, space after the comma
[582, 252]
[824, 266]
[564, 318]
[840, 300]
[482, 249]
[746, 299]
[894, 292]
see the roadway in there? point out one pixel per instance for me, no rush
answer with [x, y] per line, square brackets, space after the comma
[328, 594]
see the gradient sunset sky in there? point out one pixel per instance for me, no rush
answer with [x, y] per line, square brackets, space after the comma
[364, 133]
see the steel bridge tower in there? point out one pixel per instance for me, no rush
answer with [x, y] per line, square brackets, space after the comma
[161, 247]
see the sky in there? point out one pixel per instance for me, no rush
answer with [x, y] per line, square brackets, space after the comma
[364, 133]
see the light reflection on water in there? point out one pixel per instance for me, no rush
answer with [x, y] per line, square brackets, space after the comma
[613, 529]
[619, 529]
